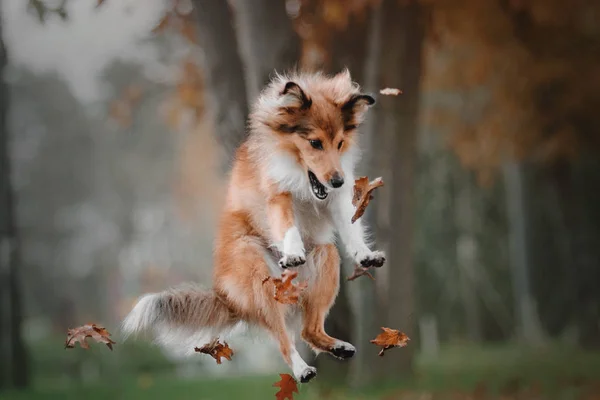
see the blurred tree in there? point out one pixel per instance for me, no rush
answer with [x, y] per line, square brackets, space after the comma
[267, 41]
[13, 356]
[534, 62]
[381, 43]
[224, 73]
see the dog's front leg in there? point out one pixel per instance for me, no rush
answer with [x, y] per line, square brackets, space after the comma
[280, 213]
[353, 234]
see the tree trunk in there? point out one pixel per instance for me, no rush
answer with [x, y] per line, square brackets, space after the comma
[13, 357]
[364, 291]
[467, 253]
[267, 41]
[403, 29]
[224, 74]
[347, 50]
[528, 325]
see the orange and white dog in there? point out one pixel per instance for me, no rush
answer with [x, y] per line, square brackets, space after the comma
[290, 190]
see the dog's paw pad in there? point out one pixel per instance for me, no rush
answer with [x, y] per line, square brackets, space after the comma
[343, 350]
[290, 260]
[307, 374]
[373, 259]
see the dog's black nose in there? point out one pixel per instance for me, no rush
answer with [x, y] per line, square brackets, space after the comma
[336, 180]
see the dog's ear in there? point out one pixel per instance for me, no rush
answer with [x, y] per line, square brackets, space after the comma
[354, 110]
[294, 97]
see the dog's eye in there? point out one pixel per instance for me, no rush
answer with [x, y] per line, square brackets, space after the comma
[340, 144]
[317, 144]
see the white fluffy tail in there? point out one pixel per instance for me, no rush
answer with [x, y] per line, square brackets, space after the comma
[180, 318]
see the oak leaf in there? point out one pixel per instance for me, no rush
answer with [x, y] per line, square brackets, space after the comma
[288, 387]
[287, 292]
[390, 92]
[81, 333]
[358, 272]
[362, 194]
[216, 350]
[390, 338]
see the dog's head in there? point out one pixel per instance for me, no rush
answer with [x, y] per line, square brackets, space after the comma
[315, 119]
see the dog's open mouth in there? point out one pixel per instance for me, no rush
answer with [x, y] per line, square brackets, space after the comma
[318, 189]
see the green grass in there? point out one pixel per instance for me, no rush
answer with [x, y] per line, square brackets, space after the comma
[561, 373]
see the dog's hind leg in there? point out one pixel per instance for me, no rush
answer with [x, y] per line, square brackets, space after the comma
[319, 298]
[240, 279]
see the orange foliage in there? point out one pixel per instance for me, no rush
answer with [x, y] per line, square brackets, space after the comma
[216, 350]
[288, 387]
[318, 20]
[286, 292]
[531, 62]
[390, 338]
[81, 333]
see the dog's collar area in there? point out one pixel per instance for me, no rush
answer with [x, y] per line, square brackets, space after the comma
[318, 189]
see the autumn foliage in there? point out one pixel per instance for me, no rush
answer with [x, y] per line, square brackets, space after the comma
[216, 350]
[81, 333]
[526, 73]
[362, 195]
[389, 339]
[288, 387]
[286, 292]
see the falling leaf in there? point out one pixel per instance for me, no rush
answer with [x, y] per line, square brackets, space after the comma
[390, 338]
[358, 272]
[362, 195]
[216, 350]
[288, 387]
[81, 333]
[99, 3]
[286, 292]
[390, 92]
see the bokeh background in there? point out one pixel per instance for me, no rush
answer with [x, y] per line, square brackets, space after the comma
[118, 120]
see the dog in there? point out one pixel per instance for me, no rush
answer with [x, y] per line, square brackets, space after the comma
[290, 191]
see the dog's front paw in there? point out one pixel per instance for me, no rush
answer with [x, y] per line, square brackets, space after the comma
[372, 259]
[291, 260]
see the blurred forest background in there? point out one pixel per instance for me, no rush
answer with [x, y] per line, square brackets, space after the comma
[118, 120]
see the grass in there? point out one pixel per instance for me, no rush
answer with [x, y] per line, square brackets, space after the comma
[561, 373]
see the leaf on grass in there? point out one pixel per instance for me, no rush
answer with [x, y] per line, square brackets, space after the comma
[358, 272]
[390, 92]
[216, 350]
[288, 387]
[81, 333]
[362, 194]
[287, 292]
[390, 338]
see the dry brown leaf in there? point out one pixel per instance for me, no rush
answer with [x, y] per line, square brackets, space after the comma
[390, 338]
[99, 3]
[286, 292]
[358, 272]
[390, 92]
[362, 194]
[216, 350]
[288, 387]
[81, 333]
